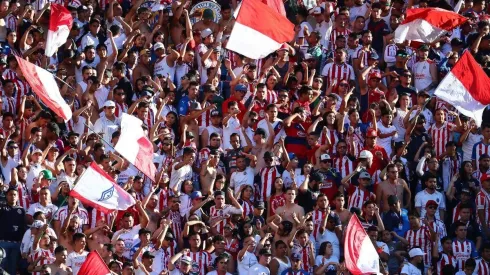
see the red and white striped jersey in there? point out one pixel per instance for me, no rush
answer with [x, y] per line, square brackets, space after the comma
[163, 256]
[456, 216]
[420, 238]
[443, 105]
[438, 226]
[220, 226]
[232, 246]
[478, 174]
[367, 54]
[268, 176]
[24, 196]
[482, 267]
[9, 74]
[163, 196]
[333, 138]
[335, 33]
[9, 105]
[23, 89]
[96, 215]
[48, 258]
[483, 203]
[204, 120]
[357, 197]
[317, 217]
[176, 223]
[444, 260]
[462, 252]
[339, 72]
[271, 96]
[62, 214]
[344, 165]
[479, 149]
[276, 202]
[200, 262]
[440, 136]
[120, 109]
[248, 208]
[304, 251]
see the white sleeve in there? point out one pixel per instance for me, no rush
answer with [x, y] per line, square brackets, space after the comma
[442, 202]
[418, 200]
[98, 126]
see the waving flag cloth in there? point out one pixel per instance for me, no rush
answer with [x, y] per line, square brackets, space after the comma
[97, 189]
[44, 86]
[276, 5]
[466, 87]
[94, 265]
[427, 24]
[360, 255]
[60, 23]
[259, 30]
[135, 147]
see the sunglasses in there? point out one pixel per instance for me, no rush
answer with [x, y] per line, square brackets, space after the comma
[432, 207]
[344, 85]
[401, 55]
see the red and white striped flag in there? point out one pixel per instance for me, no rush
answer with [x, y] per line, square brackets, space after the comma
[94, 265]
[135, 146]
[60, 23]
[427, 24]
[97, 189]
[466, 87]
[259, 30]
[45, 87]
[360, 255]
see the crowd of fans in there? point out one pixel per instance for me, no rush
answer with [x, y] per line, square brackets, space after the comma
[261, 163]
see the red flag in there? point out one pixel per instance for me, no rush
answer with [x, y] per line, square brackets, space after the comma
[466, 87]
[135, 146]
[94, 265]
[257, 38]
[276, 5]
[60, 23]
[97, 189]
[360, 255]
[44, 86]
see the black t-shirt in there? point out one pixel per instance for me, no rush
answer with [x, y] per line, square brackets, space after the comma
[15, 228]
[307, 199]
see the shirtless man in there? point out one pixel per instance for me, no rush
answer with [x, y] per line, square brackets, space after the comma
[226, 22]
[343, 213]
[283, 229]
[207, 22]
[262, 142]
[393, 185]
[209, 172]
[97, 236]
[291, 211]
[59, 267]
[65, 238]
[143, 67]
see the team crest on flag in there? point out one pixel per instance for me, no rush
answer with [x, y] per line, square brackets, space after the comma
[107, 194]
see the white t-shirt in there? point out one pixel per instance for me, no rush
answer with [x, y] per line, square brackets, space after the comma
[214, 272]
[238, 179]
[468, 145]
[48, 210]
[75, 261]
[179, 176]
[398, 123]
[258, 269]
[249, 260]
[263, 124]
[319, 260]
[423, 197]
[233, 126]
[386, 142]
[130, 238]
[332, 238]
[410, 269]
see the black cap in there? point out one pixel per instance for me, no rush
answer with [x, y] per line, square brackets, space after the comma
[268, 155]
[218, 193]
[466, 190]
[401, 52]
[215, 113]
[169, 236]
[144, 231]
[455, 42]
[317, 177]
[148, 254]
[265, 251]
[71, 134]
[424, 47]
[484, 156]
[259, 205]
[392, 200]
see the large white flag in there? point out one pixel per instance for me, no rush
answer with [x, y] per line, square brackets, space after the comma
[60, 23]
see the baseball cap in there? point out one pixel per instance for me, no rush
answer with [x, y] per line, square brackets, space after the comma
[206, 32]
[218, 193]
[158, 45]
[148, 254]
[466, 190]
[365, 154]
[364, 175]
[325, 157]
[241, 87]
[307, 56]
[71, 134]
[424, 47]
[292, 156]
[186, 259]
[196, 195]
[392, 200]
[423, 93]
[415, 252]
[375, 75]
[371, 133]
[284, 47]
[484, 156]
[374, 56]
[145, 51]
[401, 53]
[431, 203]
[47, 175]
[268, 155]
[316, 10]
[37, 224]
[37, 151]
[484, 177]
[109, 103]
[296, 256]
[259, 205]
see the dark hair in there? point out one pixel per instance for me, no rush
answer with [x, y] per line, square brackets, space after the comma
[59, 249]
[323, 246]
[78, 236]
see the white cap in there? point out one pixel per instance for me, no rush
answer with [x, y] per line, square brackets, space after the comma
[316, 10]
[325, 157]
[37, 224]
[37, 151]
[415, 252]
[109, 103]
[158, 45]
[205, 33]
[365, 154]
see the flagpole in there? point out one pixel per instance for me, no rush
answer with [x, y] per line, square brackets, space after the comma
[69, 86]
